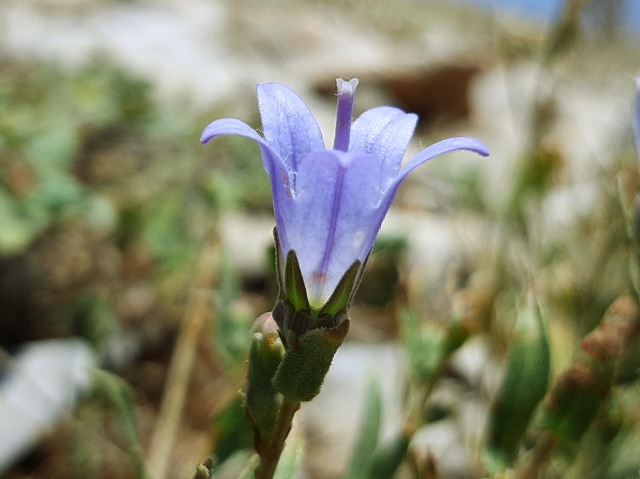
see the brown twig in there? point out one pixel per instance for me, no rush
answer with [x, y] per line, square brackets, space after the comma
[182, 360]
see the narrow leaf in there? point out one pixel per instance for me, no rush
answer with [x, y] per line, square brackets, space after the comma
[386, 460]
[367, 440]
[118, 394]
[524, 385]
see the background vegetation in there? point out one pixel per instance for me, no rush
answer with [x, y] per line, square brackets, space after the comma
[117, 227]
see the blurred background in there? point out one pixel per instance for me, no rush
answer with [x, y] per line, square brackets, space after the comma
[133, 260]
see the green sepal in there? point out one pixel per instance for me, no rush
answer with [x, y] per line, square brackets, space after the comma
[261, 400]
[307, 361]
[342, 295]
[295, 289]
[278, 257]
[292, 311]
[524, 385]
[292, 288]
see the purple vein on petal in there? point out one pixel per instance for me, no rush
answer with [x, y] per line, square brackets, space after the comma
[385, 132]
[321, 274]
[288, 125]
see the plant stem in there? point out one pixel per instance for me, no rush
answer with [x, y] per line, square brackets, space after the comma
[271, 454]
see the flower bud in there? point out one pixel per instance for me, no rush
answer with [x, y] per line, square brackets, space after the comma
[262, 401]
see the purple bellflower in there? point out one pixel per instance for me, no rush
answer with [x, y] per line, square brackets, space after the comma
[329, 204]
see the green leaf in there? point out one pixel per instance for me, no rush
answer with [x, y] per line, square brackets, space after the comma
[425, 346]
[367, 440]
[525, 383]
[429, 344]
[230, 431]
[386, 460]
[118, 393]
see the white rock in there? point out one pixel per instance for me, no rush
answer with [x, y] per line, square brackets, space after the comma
[332, 420]
[41, 384]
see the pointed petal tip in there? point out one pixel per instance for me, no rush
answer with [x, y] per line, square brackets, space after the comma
[288, 125]
[218, 127]
[268, 85]
[273, 88]
[204, 138]
[470, 144]
[228, 126]
[440, 148]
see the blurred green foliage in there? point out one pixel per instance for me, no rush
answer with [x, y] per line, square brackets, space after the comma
[43, 113]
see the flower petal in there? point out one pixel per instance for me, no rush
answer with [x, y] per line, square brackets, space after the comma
[289, 126]
[231, 126]
[278, 171]
[437, 149]
[384, 132]
[330, 224]
[440, 148]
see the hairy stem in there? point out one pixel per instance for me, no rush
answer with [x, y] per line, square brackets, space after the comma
[270, 455]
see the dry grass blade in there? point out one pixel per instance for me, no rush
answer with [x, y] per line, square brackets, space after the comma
[182, 360]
